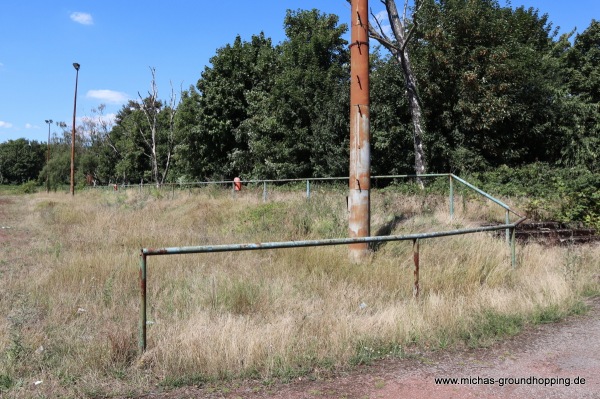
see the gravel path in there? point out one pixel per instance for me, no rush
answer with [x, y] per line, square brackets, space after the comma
[552, 361]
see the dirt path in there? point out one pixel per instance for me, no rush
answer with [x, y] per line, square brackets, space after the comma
[553, 361]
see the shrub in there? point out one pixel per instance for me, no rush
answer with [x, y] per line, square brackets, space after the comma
[29, 187]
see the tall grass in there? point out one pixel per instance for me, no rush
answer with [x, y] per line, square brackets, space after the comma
[70, 291]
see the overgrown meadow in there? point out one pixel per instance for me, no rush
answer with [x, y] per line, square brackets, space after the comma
[70, 298]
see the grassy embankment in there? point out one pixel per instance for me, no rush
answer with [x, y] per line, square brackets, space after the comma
[69, 296]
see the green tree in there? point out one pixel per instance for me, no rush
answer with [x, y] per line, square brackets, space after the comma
[392, 150]
[58, 169]
[581, 67]
[143, 138]
[489, 84]
[21, 160]
[300, 127]
[212, 145]
[100, 156]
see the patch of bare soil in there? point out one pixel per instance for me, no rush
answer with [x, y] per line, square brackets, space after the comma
[552, 361]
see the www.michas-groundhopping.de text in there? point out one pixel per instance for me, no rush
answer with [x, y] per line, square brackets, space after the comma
[502, 381]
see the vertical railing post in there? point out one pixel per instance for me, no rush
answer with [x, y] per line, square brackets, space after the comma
[307, 189]
[264, 191]
[513, 252]
[451, 198]
[416, 273]
[142, 338]
[507, 230]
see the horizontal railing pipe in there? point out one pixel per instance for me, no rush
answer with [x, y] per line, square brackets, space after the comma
[315, 243]
[145, 252]
[486, 195]
[256, 181]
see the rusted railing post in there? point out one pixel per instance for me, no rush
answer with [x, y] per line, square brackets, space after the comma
[359, 206]
[507, 230]
[513, 250]
[451, 198]
[416, 260]
[143, 318]
[264, 191]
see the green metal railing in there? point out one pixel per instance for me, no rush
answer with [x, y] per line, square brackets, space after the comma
[415, 238]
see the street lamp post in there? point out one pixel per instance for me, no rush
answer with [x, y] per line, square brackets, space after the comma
[76, 66]
[49, 122]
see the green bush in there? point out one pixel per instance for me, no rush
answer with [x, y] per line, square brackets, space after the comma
[29, 187]
[564, 194]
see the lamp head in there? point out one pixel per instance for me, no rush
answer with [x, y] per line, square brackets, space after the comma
[76, 66]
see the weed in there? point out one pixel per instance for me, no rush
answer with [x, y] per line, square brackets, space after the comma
[380, 383]
[123, 349]
[107, 290]
[548, 314]
[368, 350]
[197, 380]
[579, 308]
[241, 297]
[491, 326]
[6, 382]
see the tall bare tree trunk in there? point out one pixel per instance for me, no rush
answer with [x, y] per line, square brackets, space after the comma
[151, 113]
[415, 112]
[398, 47]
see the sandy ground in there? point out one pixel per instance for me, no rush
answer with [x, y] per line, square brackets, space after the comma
[552, 361]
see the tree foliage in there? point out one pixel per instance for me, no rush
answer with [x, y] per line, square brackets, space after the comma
[581, 74]
[488, 83]
[21, 160]
[496, 86]
[299, 128]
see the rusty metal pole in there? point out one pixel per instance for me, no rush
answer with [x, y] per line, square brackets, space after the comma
[76, 66]
[416, 273]
[360, 148]
[143, 317]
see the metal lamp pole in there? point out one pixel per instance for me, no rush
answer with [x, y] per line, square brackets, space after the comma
[49, 122]
[76, 66]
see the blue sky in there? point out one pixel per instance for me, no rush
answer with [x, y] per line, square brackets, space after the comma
[116, 42]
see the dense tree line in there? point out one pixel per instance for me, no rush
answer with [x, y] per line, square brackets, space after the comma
[497, 86]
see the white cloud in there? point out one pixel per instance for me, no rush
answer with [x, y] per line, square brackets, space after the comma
[82, 18]
[109, 96]
[5, 125]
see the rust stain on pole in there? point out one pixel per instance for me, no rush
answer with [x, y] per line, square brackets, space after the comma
[416, 260]
[359, 220]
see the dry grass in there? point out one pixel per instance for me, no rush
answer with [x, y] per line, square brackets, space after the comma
[69, 270]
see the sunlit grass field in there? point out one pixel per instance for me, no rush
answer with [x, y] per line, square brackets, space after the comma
[69, 296]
